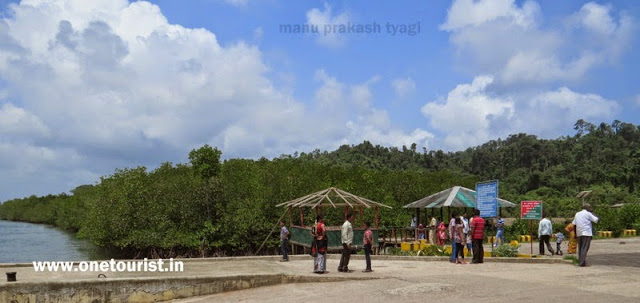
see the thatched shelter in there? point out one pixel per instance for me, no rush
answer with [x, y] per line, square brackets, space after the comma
[330, 198]
[456, 196]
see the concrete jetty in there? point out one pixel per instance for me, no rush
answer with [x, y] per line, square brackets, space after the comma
[614, 277]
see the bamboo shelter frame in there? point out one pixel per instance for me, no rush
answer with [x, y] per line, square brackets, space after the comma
[332, 197]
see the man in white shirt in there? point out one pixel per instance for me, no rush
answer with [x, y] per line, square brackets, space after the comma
[465, 231]
[432, 230]
[584, 232]
[347, 238]
[545, 229]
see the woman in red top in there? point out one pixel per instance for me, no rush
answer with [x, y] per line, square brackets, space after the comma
[442, 233]
[319, 264]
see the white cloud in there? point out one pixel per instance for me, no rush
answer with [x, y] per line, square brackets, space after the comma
[468, 113]
[509, 41]
[16, 122]
[93, 87]
[473, 114]
[403, 87]
[353, 105]
[465, 13]
[321, 19]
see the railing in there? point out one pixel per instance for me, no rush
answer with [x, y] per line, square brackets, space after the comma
[394, 235]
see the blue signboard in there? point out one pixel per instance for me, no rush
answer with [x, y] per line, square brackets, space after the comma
[487, 198]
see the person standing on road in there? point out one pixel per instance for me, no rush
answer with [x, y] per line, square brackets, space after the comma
[432, 230]
[500, 232]
[319, 264]
[584, 232]
[452, 236]
[367, 240]
[477, 232]
[442, 233]
[470, 235]
[559, 240]
[284, 241]
[572, 245]
[467, 238]
[545, 229]
[459, 240]
[347, 238]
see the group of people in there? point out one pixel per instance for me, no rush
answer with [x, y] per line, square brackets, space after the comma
[320, 244]
[580, 232]
[463, 232]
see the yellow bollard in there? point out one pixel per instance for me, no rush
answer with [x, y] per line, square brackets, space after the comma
[525, 238]
[405, 246]
[416, 246]
[491, 239]
[514, 243]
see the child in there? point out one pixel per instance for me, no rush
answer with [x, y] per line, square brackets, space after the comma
[442, 233]
[559, 239]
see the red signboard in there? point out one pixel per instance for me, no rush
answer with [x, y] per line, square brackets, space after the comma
[531, 210]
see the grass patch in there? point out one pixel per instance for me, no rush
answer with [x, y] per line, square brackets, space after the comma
[573, 259]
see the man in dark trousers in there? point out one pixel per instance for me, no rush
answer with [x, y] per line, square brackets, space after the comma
[347, 239]
[584, 230]
[284, 241]
[545, 229]
[367, 241]
[477, 234]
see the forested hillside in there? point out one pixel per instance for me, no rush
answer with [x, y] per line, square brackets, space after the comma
[208, 207]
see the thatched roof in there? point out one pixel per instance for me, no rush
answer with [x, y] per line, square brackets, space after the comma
[332, 197]
[456, 196]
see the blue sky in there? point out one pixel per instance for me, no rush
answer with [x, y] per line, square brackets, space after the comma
[90, 86]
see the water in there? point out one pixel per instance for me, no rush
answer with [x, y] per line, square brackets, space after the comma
[26, 242]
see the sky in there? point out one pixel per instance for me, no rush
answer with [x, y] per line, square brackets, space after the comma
[87, 87]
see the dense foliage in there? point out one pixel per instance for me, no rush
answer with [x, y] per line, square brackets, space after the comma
[208, 207]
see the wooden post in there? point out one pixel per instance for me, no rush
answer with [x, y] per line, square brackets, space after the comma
[290, 216]
[362, 216]
[417, 216]
[301, 217]
[376, 216]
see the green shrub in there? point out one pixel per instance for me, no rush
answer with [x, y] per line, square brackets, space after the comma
[395, 251]
[505, 251]
[517, 228]
[433, 250]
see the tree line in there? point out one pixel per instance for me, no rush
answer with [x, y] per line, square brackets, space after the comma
[209, 207]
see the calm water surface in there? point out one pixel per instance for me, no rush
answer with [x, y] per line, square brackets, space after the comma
[26, 242]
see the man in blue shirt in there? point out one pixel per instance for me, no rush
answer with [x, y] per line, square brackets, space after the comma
[284, 241]
[500, 233]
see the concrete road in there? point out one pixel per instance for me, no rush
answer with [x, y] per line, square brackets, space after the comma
[612, 277]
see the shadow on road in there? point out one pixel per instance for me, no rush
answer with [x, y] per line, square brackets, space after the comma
[626, 260]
